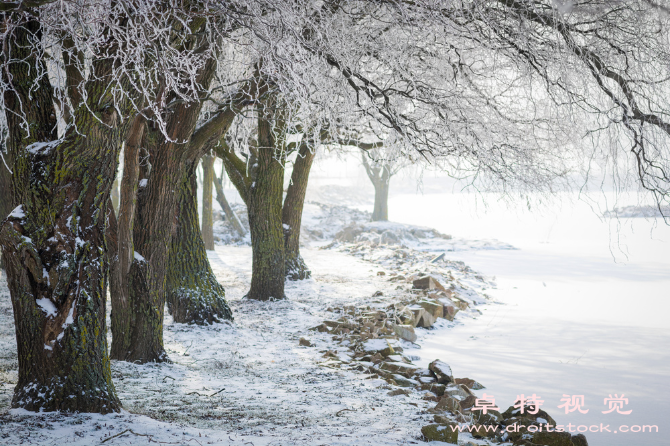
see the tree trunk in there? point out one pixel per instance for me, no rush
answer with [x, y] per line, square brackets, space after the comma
[155, 225]
[264, 207]
[207, 213]
[152, 233]
[296, 269]
[6, 204]
[193, 293]
[122, 318]
[381, 209]
[54, 243]
[230, 214]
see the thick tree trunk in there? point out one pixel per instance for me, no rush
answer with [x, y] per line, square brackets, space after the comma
[207, 211]
[230, 214]
[54, 242]
[155, 225]
[296, 269]
[122, 318]
[193, 293]
[381, 209]
[264, 206]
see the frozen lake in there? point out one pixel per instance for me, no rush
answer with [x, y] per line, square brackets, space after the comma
[583, 310]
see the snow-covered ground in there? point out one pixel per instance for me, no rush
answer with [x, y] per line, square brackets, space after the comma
[248, 382]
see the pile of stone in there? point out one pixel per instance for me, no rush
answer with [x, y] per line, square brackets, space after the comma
[372, 336]
[430, 301]
[384, 233]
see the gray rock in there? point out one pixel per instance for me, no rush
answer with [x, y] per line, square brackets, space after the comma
[442, 371]
[405, 332]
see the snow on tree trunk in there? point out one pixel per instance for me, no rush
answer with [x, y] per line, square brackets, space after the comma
[193, 293]
[54, 241]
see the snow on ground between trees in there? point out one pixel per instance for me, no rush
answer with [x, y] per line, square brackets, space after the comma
[250, 381]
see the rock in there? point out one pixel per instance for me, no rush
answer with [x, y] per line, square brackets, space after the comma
[305, 342]
[381, 273]
[429, 396]
[398, 278]
[437, 389]
[441, 371]
[404, 382]
[378, 294]
[579, 440]
[461, 304]
[380, 346]
[399, 368]
[448, 403]
[490, 417]
[552, 438]
[459, 391]
[427, 320]
[421, 317]
[349, 234]
[322, 328]
[417, 313]
[427, 380]
[398, 392]
[468, 402]
[469, 383]
[441, 419]
[541, 417]
[389, 238]
[449, 308]
[441, 432]
[376, 358]
[433, 308]
[427, 283]
[332, 324]
[405, 332]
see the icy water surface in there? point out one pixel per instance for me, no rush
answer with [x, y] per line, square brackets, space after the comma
[583, 310]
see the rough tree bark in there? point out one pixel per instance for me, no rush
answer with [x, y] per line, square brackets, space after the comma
[207, 211]
[193, 293]
[122, 318]
[264, 206]
[296, 269]
[6, 204]
[166, 230]
[54, 242]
